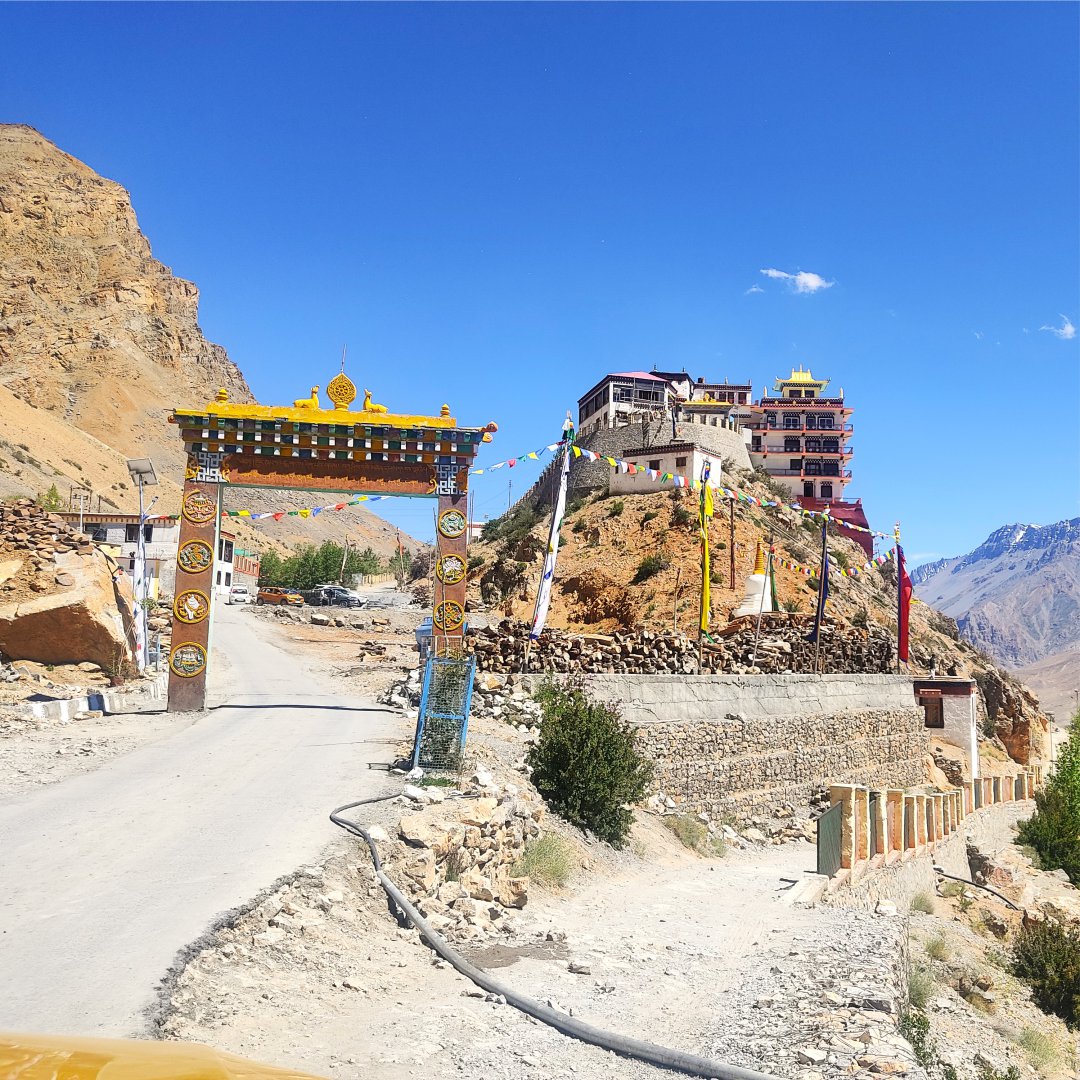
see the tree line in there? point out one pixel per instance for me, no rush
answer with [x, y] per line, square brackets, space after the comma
[327, 563]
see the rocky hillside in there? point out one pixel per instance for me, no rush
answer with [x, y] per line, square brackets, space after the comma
[632, 562]
[1017, 597]
[98, 340]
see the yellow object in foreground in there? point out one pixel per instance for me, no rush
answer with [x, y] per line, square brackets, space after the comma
[62, 1057]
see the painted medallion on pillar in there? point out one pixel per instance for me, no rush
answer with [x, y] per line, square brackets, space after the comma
[195, 557]
[199, 508]
[452, 523]
[450, 569]
[449, 615]
[188, 660]
[191, 606]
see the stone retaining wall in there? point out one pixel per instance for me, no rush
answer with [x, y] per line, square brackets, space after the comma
[747, 745]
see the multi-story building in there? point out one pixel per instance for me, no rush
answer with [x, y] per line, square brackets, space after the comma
[626, 397]
[800, 437]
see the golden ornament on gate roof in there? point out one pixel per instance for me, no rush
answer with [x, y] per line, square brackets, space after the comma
[341, 391]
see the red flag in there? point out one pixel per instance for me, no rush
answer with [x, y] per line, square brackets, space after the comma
[905, 605]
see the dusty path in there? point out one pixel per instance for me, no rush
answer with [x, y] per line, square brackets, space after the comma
[107, 874]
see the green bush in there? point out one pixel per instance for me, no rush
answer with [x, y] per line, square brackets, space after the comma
[1040, 1048]
[936, 948]
[585, 763]
[50, 500]
[1053, 831]
[579, 526]
[1046, 955]
[681, 516]
[616, 508]
[649, 515]
[922, 902]
[650, 566]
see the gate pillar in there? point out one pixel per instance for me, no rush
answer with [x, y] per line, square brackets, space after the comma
[451, 566]
[194, 592]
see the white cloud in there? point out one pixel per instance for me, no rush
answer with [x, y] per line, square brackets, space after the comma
[753, 289]
[978, 334]
[803, 281]
[1066, 331]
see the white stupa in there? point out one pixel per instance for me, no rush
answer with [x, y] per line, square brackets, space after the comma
[758, 596]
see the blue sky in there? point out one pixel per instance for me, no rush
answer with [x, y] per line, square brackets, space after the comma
[494, 204]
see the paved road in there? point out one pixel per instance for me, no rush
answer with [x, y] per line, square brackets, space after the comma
[103, 877]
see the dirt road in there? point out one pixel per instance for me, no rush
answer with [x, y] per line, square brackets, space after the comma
[107, 874]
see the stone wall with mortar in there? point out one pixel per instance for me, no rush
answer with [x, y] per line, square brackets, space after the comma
[753, 745]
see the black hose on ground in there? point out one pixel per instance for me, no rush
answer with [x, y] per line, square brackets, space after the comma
[975, 884]
[568, 1025]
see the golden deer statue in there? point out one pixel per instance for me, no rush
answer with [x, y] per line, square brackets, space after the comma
[308, 403]
[371, 406]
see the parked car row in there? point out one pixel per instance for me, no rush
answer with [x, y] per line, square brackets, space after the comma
[322, 596]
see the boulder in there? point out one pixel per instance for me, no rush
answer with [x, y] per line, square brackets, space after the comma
[85, 622]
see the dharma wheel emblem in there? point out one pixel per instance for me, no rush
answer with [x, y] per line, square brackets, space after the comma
[452, 523]
[341, 391]
[188, 660]
[450, 569]
[195, 557]
[191, 606]
[449, 615]
[199, 508]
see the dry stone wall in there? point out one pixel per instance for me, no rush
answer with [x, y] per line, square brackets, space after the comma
[761, 745]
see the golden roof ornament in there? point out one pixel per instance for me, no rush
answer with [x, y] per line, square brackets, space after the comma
[341, 391]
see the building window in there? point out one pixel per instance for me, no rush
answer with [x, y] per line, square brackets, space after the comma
[680, 463]
[808, 489]
[131, 533]
[228, 579]
[791, 446]
[813, 446]
[655, 465]
[825, 423]
[219, 577]
[792, 422]
[795, 464]
[831, 446]
[934, 709]
[826, 490]
[225, 551]
[99, 534]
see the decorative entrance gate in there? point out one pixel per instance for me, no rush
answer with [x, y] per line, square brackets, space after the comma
[309, 448]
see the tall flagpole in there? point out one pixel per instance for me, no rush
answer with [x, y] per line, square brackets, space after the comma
[543, 592]
[823, 588]
[705, 512]
[899, 592]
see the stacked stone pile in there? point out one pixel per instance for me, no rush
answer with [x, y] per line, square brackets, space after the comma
[30, 540]
[456, 855]
[781, 647]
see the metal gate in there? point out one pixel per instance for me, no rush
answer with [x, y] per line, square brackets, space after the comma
[829, 833]
[443, 720]
[875, 825]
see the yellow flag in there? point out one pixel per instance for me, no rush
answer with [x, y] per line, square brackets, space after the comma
[705, 516]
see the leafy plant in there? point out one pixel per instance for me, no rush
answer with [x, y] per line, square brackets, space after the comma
[585, 762]
[920, 987]
[579, 526]
[988, 1072]
[1046, 955]
[616, 508]
[922, 902]
[681, 516]
[1040, 1047]
[1054, 829]
[916, 1029]
[51, 500]
[650, 566]
[475, 562]
[649, 515]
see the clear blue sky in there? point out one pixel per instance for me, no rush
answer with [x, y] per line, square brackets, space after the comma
[495, 204]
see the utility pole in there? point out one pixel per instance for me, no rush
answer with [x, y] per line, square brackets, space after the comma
[731, 541]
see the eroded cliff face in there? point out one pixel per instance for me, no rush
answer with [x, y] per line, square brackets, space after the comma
[92, 326]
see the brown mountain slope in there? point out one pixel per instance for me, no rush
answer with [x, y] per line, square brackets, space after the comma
[98, 341]
[607, 540]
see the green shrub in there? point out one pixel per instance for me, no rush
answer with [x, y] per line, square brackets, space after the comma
[922, 902]
[988, 1072]
[1053, 831]
[475, 562]
[1046, 955]
[585, 763]
[1040, 1048]
[936, 948]
[694, 835]
[916, 1029]
[616, 508]
[681, 516]
[50, 500]
[861, 618]
[650, 566]
[547, 860]
[920, 987]
[649, 515]
[579, 526]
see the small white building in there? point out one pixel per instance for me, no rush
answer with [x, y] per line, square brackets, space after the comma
[950, 706]
[679, 459]
[118, 534]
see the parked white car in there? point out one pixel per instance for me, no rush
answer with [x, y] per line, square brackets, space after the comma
[239, 594]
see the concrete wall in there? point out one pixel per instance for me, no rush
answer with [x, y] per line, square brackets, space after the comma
[749, 744]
